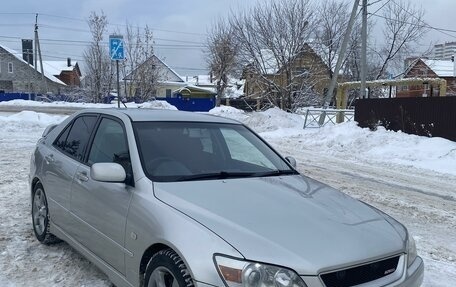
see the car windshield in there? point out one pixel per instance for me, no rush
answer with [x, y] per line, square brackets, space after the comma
[184, 151]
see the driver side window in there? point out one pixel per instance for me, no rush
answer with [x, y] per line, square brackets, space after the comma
[110, 145]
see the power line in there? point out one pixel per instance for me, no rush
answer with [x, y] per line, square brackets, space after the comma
[423, 25]
[123, 25]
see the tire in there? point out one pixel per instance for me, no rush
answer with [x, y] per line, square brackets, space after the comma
[40, 216]
[165, 269]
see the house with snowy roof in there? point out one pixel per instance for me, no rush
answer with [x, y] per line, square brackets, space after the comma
[309, 74]
[427, 68]
[234, 89]
[19, 75]
[67, 71]
[169, 84]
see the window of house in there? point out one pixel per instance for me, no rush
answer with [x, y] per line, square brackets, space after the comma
[168, 93]
[10, 67]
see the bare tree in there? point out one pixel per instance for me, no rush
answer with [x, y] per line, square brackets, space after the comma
[333, 19]
[141, 69]
[222, 50]
[403, 29]
[99, 72]
[270, 38]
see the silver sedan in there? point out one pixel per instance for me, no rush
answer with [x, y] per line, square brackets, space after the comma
[173, 199]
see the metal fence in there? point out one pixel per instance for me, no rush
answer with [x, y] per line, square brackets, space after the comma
[432, 116]
[16, 96]
[313, 117]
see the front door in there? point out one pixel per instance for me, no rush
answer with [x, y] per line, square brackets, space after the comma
[100, 208]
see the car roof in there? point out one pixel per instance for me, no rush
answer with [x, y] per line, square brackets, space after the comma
[146, 115]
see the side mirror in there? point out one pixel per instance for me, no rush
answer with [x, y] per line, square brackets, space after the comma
[292, 161]
[108, 172]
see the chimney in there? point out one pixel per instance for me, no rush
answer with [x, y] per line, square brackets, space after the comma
[69, 62]
[27, 51]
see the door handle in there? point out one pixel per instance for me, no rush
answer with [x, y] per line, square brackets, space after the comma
[49, 158]
[82, 176]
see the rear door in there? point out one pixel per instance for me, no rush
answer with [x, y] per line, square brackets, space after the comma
[100, 208]
[61, 161]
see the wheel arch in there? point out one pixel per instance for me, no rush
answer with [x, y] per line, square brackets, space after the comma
[34, 182]
[147, 255]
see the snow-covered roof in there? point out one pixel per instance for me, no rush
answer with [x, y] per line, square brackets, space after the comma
[195, 88]
[56, 67]
[167, 74]
[441, 67]
[171, 71]
[47, 74]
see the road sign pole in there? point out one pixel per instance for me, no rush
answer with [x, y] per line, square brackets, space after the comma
[118, 84]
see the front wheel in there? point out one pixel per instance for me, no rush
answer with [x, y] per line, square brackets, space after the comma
[40, 216]
[166, 269]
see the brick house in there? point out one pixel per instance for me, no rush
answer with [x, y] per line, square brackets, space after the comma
[66, 71]
[308, 72]
[426, 68]
[17, 75]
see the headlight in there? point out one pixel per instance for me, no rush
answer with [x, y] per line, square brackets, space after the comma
[411, 250]
[238, 273]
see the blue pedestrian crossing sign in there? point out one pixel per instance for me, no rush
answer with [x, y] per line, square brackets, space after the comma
[116, 47]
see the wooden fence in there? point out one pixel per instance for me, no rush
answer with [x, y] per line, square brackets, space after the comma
[432, 116]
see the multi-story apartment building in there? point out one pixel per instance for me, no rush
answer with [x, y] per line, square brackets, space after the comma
[444, 51]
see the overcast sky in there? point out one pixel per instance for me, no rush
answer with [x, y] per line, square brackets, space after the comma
[179, 25]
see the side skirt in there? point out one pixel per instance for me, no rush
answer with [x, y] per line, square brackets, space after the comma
[116, 278]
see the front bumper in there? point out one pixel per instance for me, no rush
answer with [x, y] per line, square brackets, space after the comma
[415, 274]
[412, 277]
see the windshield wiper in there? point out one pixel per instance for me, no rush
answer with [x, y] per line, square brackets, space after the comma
[229, 174]
[275, 172]
[216, 175]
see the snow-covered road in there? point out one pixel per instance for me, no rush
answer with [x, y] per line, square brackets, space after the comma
[422, 199]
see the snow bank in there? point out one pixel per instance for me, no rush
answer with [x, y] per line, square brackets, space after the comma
[28, 120]
[270, 120]
[164, 105]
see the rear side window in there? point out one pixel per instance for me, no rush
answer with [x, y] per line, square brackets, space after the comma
[73, 141]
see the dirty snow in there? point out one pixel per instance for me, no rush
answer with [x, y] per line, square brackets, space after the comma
[412, 178]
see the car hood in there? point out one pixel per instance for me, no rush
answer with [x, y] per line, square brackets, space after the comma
[291, 221]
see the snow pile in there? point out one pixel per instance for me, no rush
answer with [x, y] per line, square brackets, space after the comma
[156, 105]
[351, 142]
[229, 112]
[270, 120]
[28, 120]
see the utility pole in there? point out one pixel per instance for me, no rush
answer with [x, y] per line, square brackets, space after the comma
[363, 51]
[340, 59]
[38, 48]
